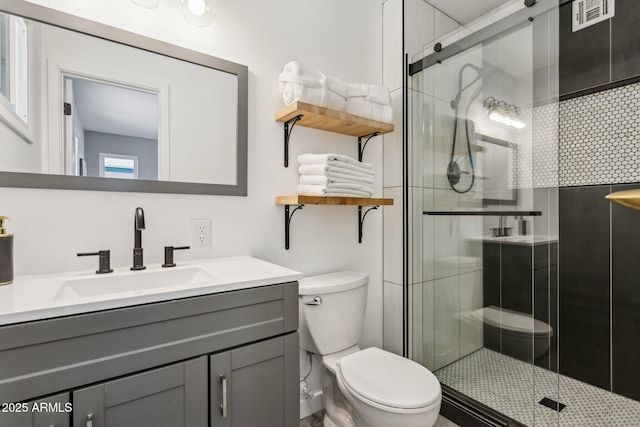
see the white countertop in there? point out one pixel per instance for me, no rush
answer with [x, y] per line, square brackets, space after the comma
[46, 296]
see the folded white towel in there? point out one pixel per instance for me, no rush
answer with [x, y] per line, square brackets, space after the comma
[319, 190]
[333, 177]
[350, 186]
[329, 184]
[310, 159]
[345, 169]
[301, 84]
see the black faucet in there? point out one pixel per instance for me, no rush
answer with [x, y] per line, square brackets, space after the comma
[138, 226]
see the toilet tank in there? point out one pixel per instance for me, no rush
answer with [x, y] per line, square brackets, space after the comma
[332, 310]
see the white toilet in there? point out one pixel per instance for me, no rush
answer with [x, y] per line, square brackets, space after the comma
[363, 388]
[519, 335]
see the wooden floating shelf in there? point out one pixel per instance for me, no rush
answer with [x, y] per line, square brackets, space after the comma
[322, 118]
[299, 201]
[317, 200]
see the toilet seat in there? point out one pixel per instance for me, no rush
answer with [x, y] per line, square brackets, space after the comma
[513, 321]
[389, 381]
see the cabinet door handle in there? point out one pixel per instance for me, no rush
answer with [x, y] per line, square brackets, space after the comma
[90, 420]
[223, 405]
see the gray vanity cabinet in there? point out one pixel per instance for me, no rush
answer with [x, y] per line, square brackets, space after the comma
[249, 385]
[50, 412]
[174, 395]
[148, 365]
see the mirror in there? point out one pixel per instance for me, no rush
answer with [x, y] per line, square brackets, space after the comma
[85, 106]
[496, 167]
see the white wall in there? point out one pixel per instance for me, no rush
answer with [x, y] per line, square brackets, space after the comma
[343, 39]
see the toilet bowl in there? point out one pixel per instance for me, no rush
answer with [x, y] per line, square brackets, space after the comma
[361, 388]
[514, 333]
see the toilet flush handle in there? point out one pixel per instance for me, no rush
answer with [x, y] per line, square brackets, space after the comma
[315, 301]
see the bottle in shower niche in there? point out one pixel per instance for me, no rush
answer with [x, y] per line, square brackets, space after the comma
[6, 253]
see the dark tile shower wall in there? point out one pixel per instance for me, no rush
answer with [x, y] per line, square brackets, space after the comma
[584, 302]
[599, 294]
[599, 249]
[604, 53]
[625, 286]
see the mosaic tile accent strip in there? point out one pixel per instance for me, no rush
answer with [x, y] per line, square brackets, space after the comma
[600, 138]
[545, 149]
[537, 155]
[513, 388]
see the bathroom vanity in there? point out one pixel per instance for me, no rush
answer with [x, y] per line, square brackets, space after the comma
[219, 352]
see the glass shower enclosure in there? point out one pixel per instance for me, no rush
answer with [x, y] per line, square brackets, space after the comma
[483, 150]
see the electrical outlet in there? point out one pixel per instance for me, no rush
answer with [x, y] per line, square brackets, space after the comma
[200, 233]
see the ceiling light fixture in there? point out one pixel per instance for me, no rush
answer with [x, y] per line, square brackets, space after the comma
[199, 13]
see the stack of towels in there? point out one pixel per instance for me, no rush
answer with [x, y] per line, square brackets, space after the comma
[334, 175]
[302, 84]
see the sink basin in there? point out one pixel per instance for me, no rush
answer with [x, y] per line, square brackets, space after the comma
[51, 295]
[133, 282]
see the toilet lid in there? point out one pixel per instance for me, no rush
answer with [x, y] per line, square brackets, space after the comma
[388, 379]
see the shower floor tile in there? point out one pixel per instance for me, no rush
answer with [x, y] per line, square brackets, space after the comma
[514, 388]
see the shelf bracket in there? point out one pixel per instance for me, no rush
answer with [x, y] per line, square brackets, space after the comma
[287, 222]
[361, 218]
[287, 135]
[362, 146]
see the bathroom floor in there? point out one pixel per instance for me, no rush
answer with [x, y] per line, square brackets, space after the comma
[513, 388]
[315, 420]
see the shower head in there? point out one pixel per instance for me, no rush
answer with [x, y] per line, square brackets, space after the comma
[479, 73]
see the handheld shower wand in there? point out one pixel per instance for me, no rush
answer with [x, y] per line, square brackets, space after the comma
[454, 172]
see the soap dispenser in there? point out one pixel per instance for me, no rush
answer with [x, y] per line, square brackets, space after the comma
[6, 253]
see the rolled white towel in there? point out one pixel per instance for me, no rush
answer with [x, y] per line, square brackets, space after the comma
[337, 86]
[379, 95]
[319, 190]
[372, 93]
[297, 84]
[335, 95]
[344, 168]
[357, 89]
[306, 85]
[310, 159]
[359, 106]
[334, 177]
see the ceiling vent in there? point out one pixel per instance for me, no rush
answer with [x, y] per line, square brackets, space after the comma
[589, 12]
